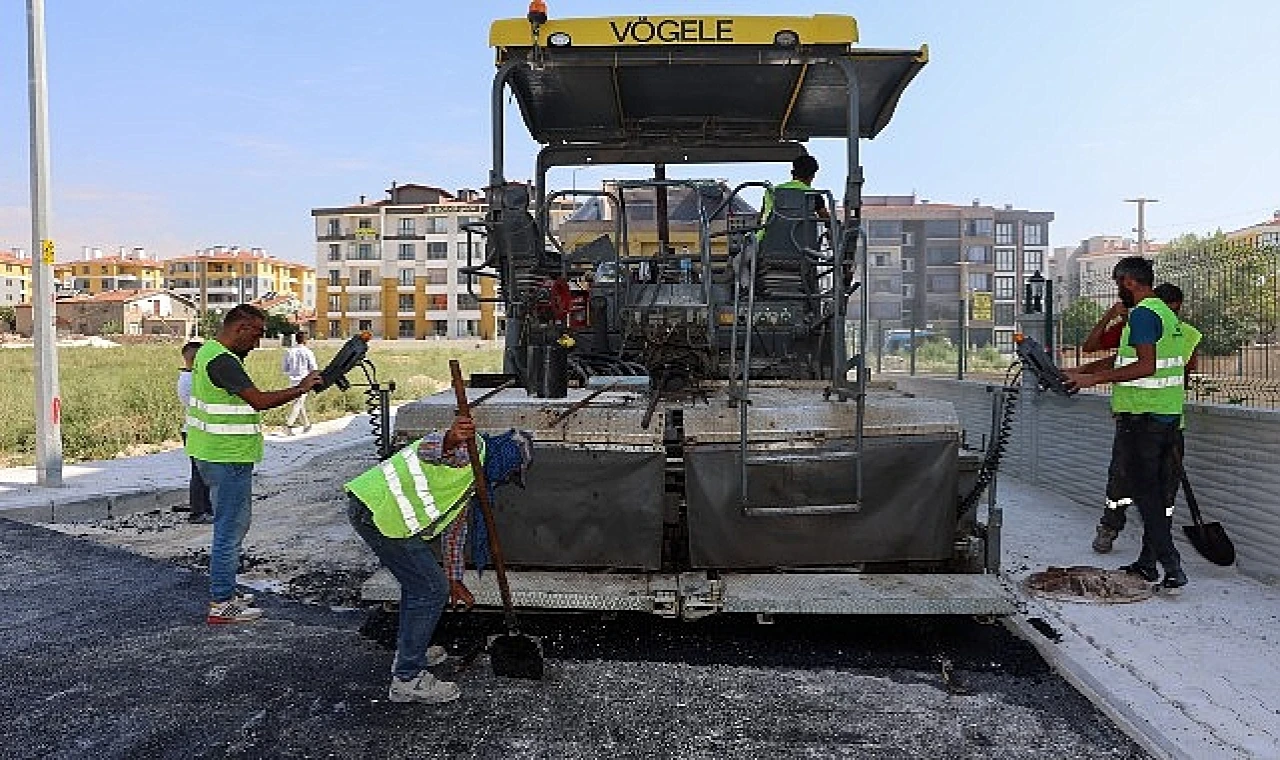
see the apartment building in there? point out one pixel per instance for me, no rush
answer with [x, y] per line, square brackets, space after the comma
[1086, 270]
[926, 261]
[1262, 234]
[94, 273]
[15, 278]
[394, 267]
[123, 312]
[222, 276]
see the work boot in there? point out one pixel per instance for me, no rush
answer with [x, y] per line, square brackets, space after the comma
[233, 610]
[1105, 538]
[1145, 572]
[1173, 583]
[425, 688]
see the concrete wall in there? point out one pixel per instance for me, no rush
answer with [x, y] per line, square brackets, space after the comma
[1064, 445]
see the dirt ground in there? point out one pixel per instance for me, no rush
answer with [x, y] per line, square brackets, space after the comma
[300, 545]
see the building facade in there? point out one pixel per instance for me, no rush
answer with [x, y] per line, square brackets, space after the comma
[123, 312]
[394, 267]
[94, 273]
[930, 263]
[1263, 234]
[220, 277]
[15, 278]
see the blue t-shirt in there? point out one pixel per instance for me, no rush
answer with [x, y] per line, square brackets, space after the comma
[1145, 329]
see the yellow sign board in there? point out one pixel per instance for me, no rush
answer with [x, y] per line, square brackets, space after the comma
[46, 251]
[982, 310]
[823, 29]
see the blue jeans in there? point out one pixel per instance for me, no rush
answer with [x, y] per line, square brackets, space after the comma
[231, 493]
[424, 589]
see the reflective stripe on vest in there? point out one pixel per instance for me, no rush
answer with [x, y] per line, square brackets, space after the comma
[1162, 392]
[221, 426]
[408, 498]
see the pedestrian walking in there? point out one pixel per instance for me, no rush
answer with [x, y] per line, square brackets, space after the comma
[299, 361]
[224, 436]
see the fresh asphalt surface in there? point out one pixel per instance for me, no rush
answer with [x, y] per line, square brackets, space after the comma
[105, 654]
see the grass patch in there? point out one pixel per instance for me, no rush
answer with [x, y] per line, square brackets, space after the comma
[121, 400]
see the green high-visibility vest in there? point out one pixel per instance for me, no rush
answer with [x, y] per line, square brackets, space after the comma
[221, 426]
[1162, 392]
[411, 498]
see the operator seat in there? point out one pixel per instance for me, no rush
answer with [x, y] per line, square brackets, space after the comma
[788, 247]
[515, 231]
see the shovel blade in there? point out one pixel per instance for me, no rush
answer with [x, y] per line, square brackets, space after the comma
[1210, 539]
[514, 655]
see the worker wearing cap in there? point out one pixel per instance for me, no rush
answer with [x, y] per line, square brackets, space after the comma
[803, 170]
[1147, 403]
[422, 492]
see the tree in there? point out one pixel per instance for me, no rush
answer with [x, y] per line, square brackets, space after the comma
[210, 323]
[1079, 318]
[279, 324]
[8, 318]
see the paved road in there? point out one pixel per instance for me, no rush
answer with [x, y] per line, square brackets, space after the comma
[105, 654]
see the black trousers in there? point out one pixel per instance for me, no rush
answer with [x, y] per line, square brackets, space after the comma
[1118, 500]
[197, 491]
[1145, 470]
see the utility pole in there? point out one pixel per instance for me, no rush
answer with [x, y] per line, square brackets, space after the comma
[43, 309]
[1142, 221]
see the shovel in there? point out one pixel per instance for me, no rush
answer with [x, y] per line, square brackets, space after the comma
[1210, 539]
[513, 654]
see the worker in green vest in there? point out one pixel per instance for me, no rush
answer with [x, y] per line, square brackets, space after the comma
[1113, 519]
[803, 170]
[422, 492]
[1146, 401]
[224, 437]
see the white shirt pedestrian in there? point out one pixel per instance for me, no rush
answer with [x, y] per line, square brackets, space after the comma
[299, 361]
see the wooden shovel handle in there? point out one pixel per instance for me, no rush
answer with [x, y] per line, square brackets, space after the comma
[482, 493]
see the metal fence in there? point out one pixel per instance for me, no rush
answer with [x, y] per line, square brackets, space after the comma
[1232, 295]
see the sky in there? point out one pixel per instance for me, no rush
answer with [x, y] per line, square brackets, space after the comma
[178, 126]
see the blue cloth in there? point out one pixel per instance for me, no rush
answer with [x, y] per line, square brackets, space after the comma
[1144, 326]
[231, 493]
[424, 589]
[507, 456]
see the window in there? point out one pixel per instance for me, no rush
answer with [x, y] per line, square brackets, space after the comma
[364, 303]
[979, 227]
[406, 278]
[364, 277]
[942, 283]
[980, 282]
[908, 239]
[437, 276]
[464, 278]
[1006, 260]
[468, 302]
[977, 254]
[437, 251]
[908, 265]
[335, 252]
[406, 328]
[364, 251]
[1004, 233]
[1033, 234]
[335, 228]
[366, 224]
[884, 285]
[884, 230]
[942, 255]
[407, 227]
[406, 252]
[1004, 288]
[942, 310]
[477, 254]
[335, 303]
[1032, 261]
[438, 302]
[440, 328]
[333, 278]
[881, 259]
[884, 310]
[365, 325]
[1004, 313]
[1003, 340]
[942, 228]
[909, 291]
[437, 225]
[405, 302]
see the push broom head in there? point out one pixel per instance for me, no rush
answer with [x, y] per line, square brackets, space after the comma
[515, 655]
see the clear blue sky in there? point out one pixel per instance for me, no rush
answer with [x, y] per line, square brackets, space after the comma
[180, 125]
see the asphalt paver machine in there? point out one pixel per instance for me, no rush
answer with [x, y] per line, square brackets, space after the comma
[695, 376]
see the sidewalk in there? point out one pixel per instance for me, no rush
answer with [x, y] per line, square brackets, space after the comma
[93, 490]
[1194, 676]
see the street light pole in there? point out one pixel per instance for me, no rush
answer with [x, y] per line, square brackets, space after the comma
[1142, 221]
[48, 406]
